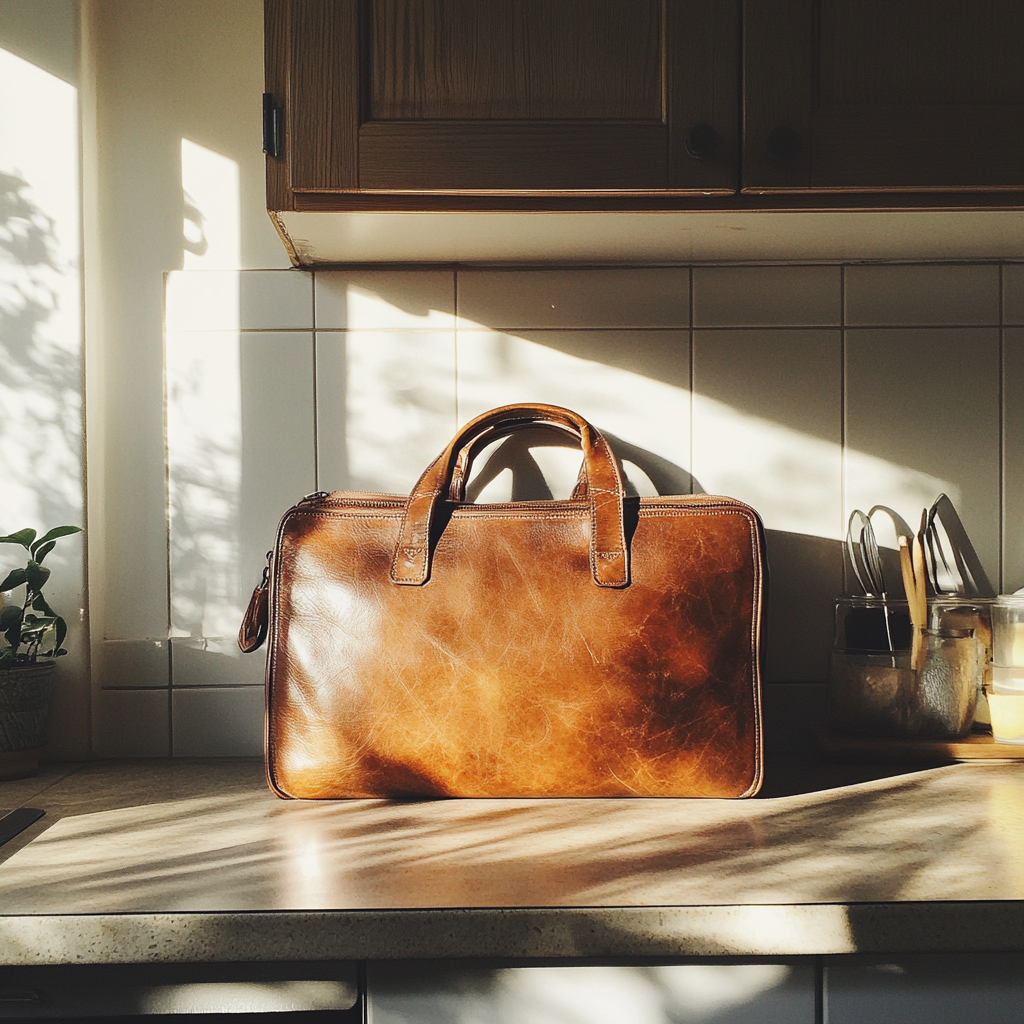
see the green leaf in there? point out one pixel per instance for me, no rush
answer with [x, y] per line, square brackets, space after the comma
[9, 615]
[10, 624]
[15, 578]
[61, 629]
[22, 537]
[6, 654]
[40, 550]
[36, 575]
[40, 605]
[52, 535]
[37, 622]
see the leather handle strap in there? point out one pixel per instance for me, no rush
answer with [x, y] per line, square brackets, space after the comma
[468, 454]
[609, 555]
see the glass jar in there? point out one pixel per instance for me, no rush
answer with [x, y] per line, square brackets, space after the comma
[886, 695]
[953, 612]
[871, 624]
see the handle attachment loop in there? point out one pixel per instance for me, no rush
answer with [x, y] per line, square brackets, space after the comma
[447, 475]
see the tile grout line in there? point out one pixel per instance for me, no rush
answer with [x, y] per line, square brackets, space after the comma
[634, 329]
[842, 422]
[1002, 438]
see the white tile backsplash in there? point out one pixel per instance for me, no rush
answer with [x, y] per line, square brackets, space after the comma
[385, 406]
[922, 418]
[240, 436]
[1013, 293]
[922, 295]
[505, 299]
[131, 723]
[767, 429]
[386, 300]
[231, 300]
[214, 661]
[218, 721]
[131, 663]
[633, 385]
[767, 296]
[814, 390]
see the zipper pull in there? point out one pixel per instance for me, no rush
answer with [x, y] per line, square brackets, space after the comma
[253, 630]
[313, 497]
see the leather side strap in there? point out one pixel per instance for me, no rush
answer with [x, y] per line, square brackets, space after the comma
[253, 630]
[609, 555]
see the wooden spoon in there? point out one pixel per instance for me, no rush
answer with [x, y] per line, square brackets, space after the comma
[912, 568]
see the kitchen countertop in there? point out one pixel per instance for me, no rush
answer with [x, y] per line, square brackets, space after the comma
[191, 861]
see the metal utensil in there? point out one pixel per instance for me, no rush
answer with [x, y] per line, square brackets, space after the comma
[953, 564]
[862, 546]
[863, 551]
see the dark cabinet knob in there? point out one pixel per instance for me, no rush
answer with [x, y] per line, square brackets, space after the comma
[782, 146]
[701, 141]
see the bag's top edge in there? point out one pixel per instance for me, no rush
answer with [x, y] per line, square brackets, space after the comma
[373, 499]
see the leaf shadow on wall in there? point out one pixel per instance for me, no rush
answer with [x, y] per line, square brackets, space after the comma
[40, 387]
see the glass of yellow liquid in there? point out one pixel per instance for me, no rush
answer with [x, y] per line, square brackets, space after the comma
[1006, 694]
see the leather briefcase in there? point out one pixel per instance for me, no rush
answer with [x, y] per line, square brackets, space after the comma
[425, 647]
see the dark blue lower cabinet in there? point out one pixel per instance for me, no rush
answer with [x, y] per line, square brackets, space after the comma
[940, 988]
[312, 993]
[464, 993]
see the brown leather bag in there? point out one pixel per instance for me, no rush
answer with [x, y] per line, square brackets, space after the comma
[600, 646]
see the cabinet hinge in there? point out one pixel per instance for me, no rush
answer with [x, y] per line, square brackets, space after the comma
[271, 126]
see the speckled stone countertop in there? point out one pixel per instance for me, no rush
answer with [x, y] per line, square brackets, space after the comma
[190, 861]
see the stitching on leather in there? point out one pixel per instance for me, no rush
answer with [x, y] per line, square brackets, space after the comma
[468, 512]
[755, 675]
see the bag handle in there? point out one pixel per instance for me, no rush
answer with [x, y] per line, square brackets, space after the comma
[609, 554]
[470, 451]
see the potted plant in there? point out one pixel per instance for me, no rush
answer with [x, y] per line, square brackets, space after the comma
[31, 637]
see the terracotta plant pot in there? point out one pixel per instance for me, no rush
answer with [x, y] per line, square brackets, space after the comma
[24, 715]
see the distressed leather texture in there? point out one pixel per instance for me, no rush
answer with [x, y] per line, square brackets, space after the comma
[595, 647]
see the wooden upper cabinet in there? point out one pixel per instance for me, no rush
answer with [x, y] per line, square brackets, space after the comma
[637, 104]
[498, 97]
[883, 95]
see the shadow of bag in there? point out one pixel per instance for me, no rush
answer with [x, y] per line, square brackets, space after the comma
[426, 646]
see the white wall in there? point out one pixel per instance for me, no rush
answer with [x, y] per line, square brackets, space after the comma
[41, 413]
[175, 86]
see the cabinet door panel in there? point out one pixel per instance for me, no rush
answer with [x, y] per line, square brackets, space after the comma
[322, 110]
[514, 59]
[496, 156]
[917, 95]
[505, 96]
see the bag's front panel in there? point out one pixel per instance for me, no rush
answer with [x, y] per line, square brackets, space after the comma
[509, 673]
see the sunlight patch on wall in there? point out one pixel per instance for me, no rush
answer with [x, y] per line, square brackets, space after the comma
[204, 478]
[203, 381]
[793, 479]
[210, 194]
[40, 326]
[649, 417]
